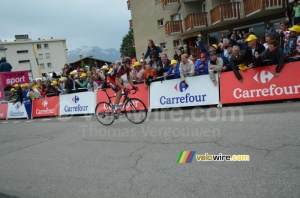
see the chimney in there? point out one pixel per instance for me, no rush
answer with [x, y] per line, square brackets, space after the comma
[80, 57]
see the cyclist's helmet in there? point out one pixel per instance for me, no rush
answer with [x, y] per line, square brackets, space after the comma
[126, 60]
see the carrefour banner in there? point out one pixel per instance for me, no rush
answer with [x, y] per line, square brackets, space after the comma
[260, 84]
[45, 107]
[197, 91]
[77, 103]
[16, 110]
[15, 77]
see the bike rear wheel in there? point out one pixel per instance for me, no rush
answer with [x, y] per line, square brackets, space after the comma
[104, 113]
[135, 110]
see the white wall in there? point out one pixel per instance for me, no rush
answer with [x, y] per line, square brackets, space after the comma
[57, 50]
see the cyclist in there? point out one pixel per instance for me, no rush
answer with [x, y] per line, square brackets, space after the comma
[113, 80]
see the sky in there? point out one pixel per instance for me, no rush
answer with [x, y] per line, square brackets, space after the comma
[101, 23]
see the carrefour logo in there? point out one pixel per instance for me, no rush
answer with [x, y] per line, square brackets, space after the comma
[75, 99]
[262, 76]
[182, 87]
[17, 106]
[45, 103]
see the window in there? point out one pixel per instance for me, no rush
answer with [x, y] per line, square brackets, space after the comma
[42, 65]
[163, 45]
[48, 56]
[46, 46]
[49, 65]
[22, 51]
[24, 61]
[203, 7]
[41, 56]
[160, 22]
[39, 46]
[176, 43]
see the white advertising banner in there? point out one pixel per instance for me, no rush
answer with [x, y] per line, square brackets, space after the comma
[197, 91]
[16, 110]
[77, 103]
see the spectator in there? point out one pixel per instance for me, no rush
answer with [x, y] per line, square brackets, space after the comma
[152, 50]
[83, 80]
[176, 57]
[33, 93]
[296, 12]
[54, 74]
[186, 68]
[143, 63]
[61, 86]
[173, 70]
[292, 47]
[275, 55]
[215, 65]
[268, 37]
[19, 94]
[5, 66]
[165, 63]
[155, 64]
[149, 75]
[238, 59]
[192, 58]
[138, 72]
[283, 33]
[92, 85]
[201, 66]
[253, 46]
[70, 83]
[227, 59]
[269, 29]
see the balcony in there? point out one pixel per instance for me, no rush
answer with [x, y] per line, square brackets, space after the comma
[170, 4]
[173, 27]
[255, 6]
[130, 24]
[128, 5]
[195, 20]
[224, 12]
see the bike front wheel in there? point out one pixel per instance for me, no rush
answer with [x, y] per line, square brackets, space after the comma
[135, 110]
[104, 113]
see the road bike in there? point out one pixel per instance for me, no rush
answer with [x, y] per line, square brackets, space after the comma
[134, 109]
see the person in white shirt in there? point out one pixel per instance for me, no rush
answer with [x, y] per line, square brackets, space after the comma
[92, 85]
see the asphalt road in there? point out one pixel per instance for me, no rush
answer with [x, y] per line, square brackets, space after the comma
[78, 157]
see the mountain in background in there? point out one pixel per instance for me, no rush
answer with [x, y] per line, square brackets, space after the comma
[110, 55]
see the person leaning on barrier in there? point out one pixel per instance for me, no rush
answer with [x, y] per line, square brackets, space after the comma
[253, 46]
[238, 61]
[186, 68]
[275, 55]
[33, 93]
[201, 66]
[138, 72]
[173, 70]
[292, 47]
[70, 83]
[82, 83]
[149, 75]
[92, 85]
[215, 65]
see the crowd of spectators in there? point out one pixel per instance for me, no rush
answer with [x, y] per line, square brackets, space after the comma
[237, 52]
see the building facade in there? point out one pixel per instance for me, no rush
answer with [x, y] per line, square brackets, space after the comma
[174, 23]
[51, 54]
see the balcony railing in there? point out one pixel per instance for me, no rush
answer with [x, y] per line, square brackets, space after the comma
[170, 4]
[195, 20]
[225, 11]
[173, 27]
[128, 5]
[130, 23]
[254, 6]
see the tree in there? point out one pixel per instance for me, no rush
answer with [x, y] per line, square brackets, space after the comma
[127, 48]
